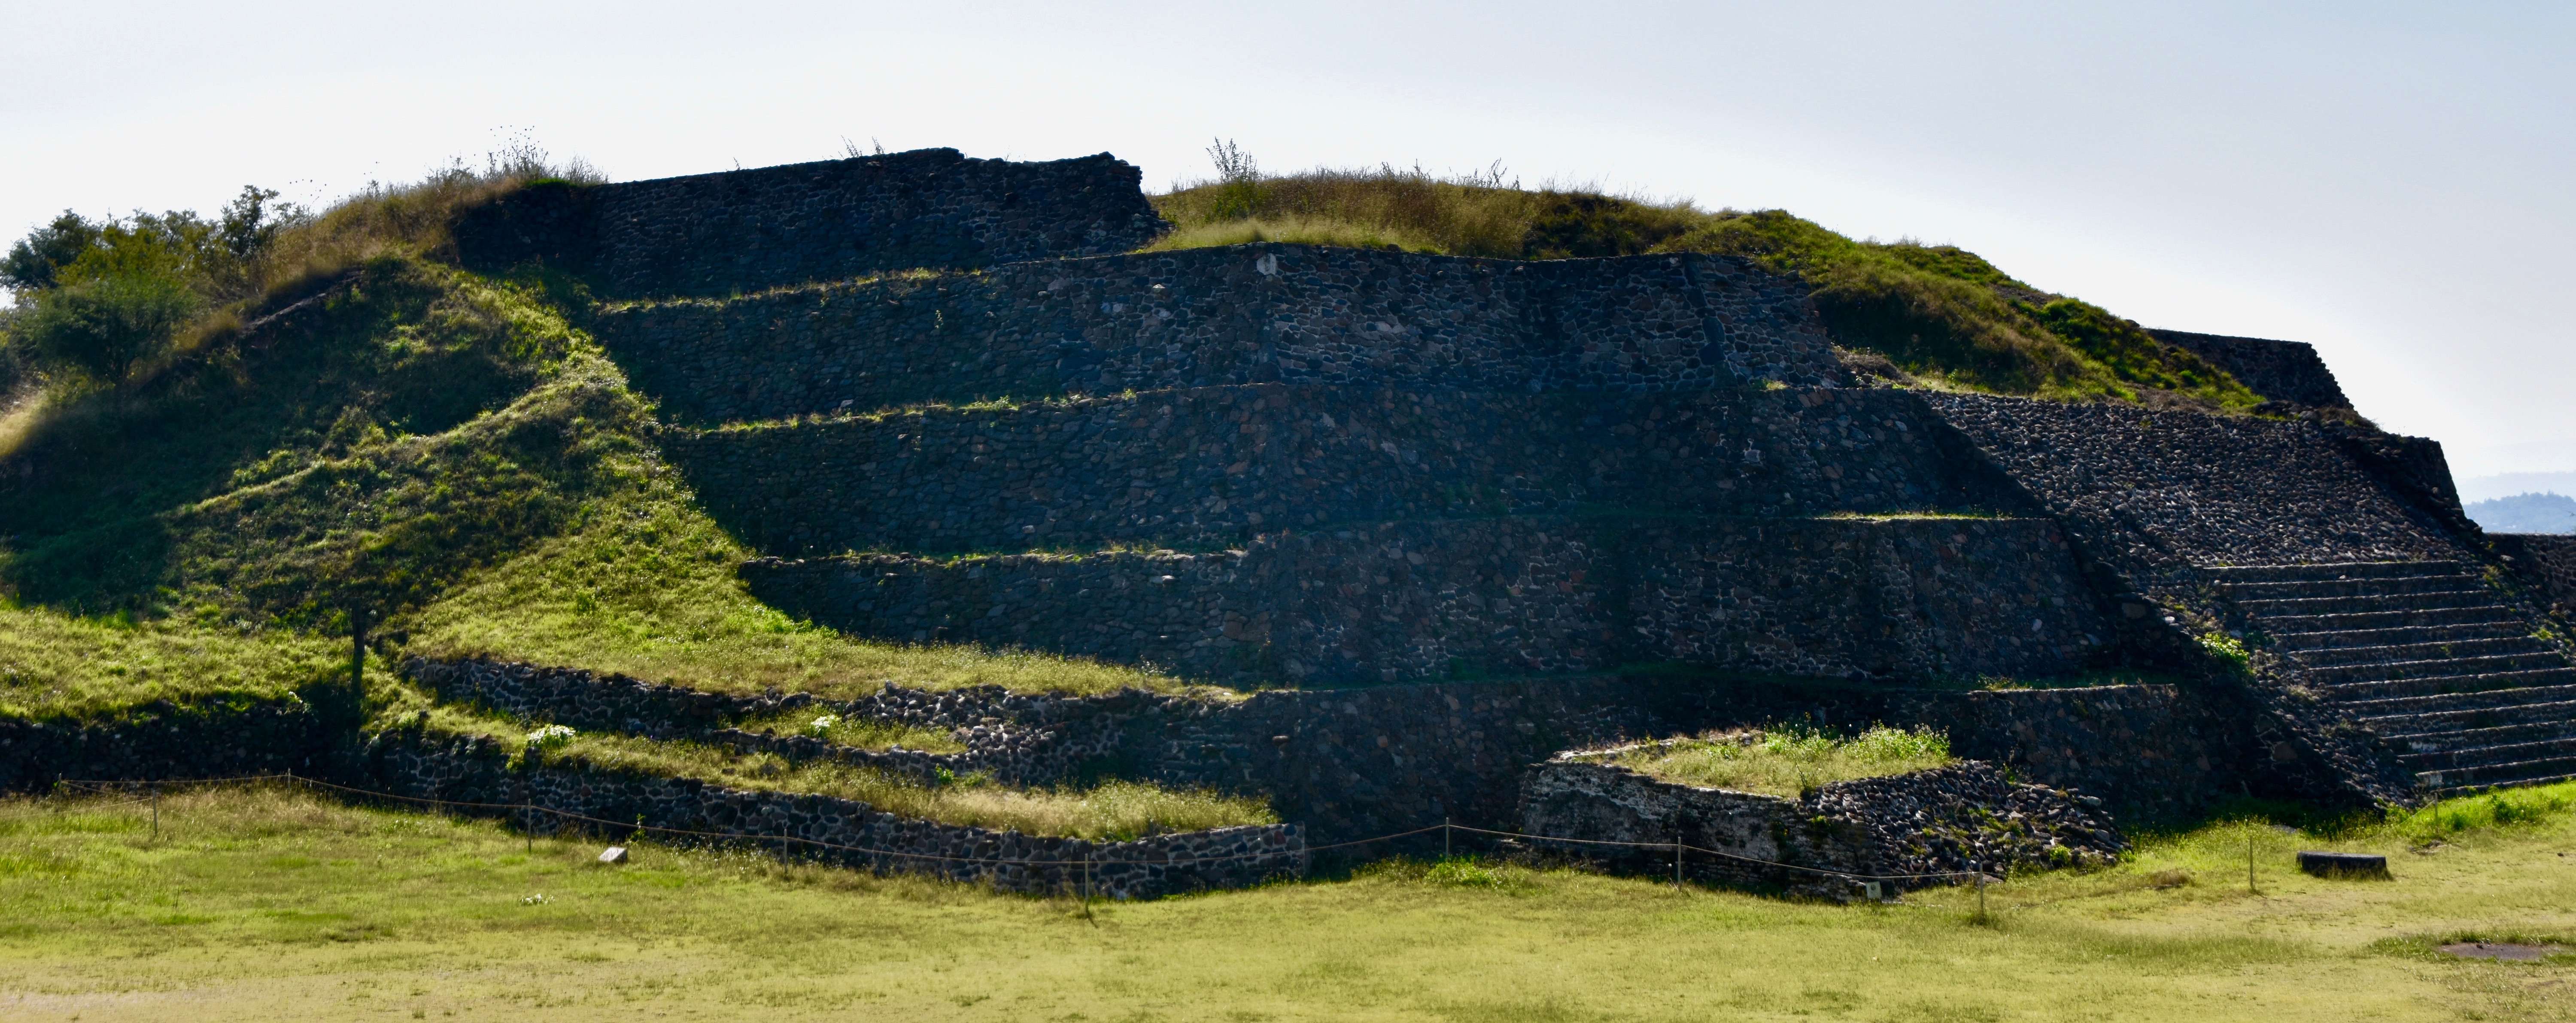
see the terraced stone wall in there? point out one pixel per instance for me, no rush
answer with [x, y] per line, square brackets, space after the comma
[749, 230]
[2156, 493]
[164, 740]
[1916, 598]
[836, 831]
[2280, 370]
[1217, 466]
[1247, 314]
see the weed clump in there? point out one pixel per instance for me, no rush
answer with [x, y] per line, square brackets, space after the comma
[1787, 761]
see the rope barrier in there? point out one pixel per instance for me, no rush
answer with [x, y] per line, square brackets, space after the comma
[1445, 827]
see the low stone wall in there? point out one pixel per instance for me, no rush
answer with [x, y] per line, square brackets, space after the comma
[1265, 313]
[2155, 494]
[1956, 819]
[2280, 370]
[1216, 466]
[164, 740]
[1915, 598]
[749, 230]
[2544, 562]
[835, 831]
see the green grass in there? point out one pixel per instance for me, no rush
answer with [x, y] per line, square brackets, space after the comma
[643, 583]
[1787, 761]
[1117, 810]
[273, 905]
[54, 665]
[1937, 315]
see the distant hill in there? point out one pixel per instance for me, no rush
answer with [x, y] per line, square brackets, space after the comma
[2526, 513]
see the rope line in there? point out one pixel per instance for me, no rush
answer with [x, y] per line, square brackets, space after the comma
[290, 776]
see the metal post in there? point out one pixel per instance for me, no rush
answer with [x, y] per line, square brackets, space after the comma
[1444, 838]
[1677, 866]
[1981, 893]
[156, 810]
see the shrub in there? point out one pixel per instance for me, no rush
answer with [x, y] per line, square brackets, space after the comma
[104, 325]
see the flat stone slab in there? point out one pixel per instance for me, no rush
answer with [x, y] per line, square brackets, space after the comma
[2500, 950]
[613, 854]
[2335, 864]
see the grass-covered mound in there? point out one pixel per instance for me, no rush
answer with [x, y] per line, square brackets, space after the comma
[272, 904]
[1936, 313]
[1787, 761]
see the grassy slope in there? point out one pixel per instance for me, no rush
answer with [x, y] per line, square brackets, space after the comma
[57, 666]
[276, 906]
[440, 449]
[1935, 312]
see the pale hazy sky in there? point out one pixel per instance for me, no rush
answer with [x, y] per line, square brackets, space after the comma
[2389, 182]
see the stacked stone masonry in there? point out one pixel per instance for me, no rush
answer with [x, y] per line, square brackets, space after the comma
[752, 230]
[1914, 598]
[1218, 466]
[1240, 315]
[1908, 831]
[2287, 371]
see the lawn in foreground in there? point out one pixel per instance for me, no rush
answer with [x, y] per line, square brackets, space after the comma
[272, 905]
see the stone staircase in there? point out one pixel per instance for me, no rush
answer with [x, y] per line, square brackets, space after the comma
[2427, 657]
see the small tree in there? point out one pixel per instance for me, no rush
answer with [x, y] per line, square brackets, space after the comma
[34, 261]
[105, 324]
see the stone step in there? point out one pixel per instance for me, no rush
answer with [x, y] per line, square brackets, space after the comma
[2459, 720]
[2338, 570]
[2302, 642]
[2375, 603]
[2390, 671]
[2473, 746]
[2440, 686]
[2481, 614]
[2528, 772]
[1216, 466]
[2340, 656]
[1408, 601]
[2371, 587]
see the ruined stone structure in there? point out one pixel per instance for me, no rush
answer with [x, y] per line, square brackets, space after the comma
[1287, 465]
[1447, 517]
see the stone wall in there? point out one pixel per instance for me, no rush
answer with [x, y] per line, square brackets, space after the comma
[750, 230]
[1216, 466]
[2280, 370]
[1264, 313]
[166, 740]
[1914, 598]
[2157, 493]
[2544, 562]
[835, 831]
[1956, 819]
